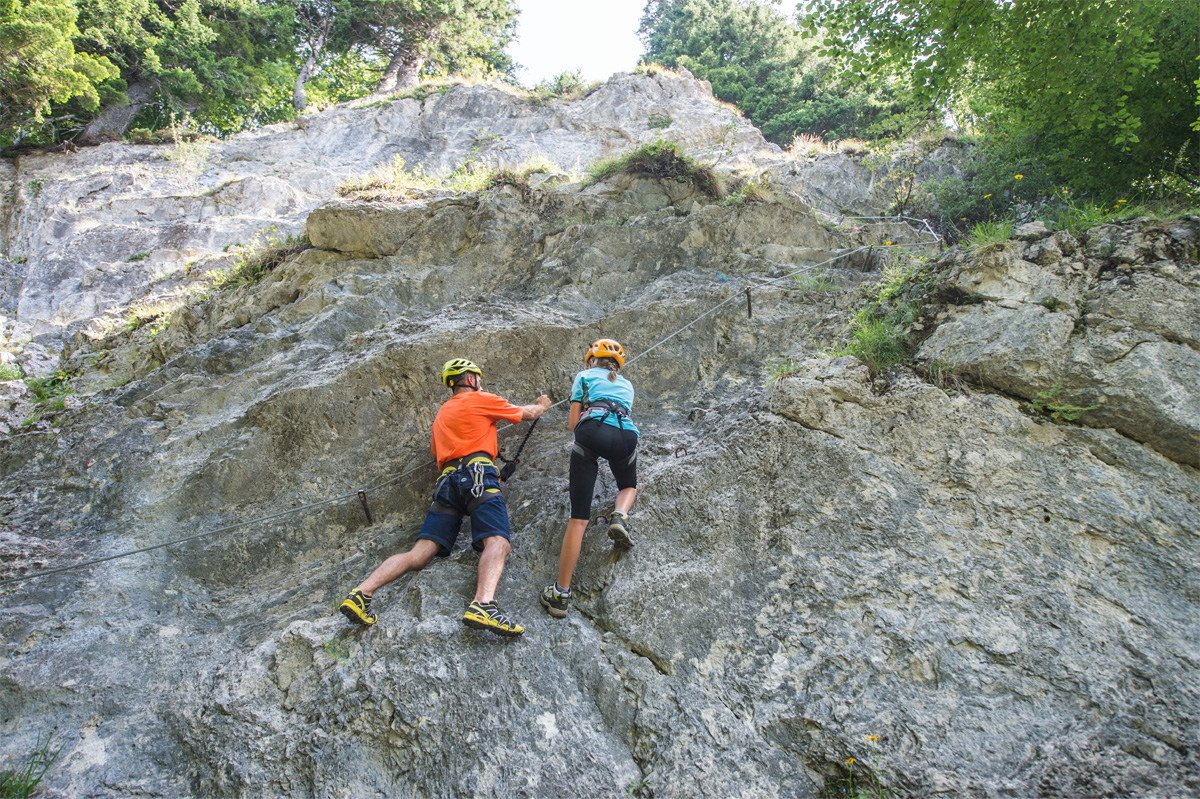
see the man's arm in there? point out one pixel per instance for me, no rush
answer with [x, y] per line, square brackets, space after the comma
[540, 406]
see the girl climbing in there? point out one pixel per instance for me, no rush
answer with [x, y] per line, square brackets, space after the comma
[601, 400]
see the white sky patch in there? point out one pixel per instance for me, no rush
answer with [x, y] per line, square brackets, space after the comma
[556, 36]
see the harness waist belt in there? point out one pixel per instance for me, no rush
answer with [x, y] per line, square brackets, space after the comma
[454, 464]
[609, 405]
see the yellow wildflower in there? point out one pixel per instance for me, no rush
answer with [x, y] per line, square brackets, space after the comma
[1120, 201]
[872, 737]
[887, 243]
[851, 761]
[1018, 177]
[986, 196]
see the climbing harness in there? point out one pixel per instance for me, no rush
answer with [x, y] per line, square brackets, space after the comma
[609, 407]
[476, 465]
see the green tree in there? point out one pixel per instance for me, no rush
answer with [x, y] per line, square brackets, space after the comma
[193, 56]
[755, 59]
[398, 40]
[438, 36]
[39, 65]
[1102, 92]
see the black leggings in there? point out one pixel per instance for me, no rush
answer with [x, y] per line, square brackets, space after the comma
[600, 440]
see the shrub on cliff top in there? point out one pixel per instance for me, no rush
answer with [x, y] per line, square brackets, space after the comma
[661, 160]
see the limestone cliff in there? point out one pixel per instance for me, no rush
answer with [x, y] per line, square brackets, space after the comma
[960, 595]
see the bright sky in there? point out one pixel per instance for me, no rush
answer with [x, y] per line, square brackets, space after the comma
[556, 36]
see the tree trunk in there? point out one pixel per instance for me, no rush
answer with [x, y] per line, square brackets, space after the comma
[114, 121]
[403, 72]
[299, 95]
[316, 35]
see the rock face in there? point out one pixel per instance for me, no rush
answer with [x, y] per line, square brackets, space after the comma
[1115, 327]
[962, 596]
[93, 230]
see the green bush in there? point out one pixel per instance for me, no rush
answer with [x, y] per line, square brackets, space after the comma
[1048, 404]
[988, 235]
[878, 339]
[661, 160]
[564, 86]
[880, 330]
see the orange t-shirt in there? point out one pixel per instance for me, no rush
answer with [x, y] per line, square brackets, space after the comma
[466, 423]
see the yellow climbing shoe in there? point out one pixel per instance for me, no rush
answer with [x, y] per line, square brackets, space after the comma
[486, 616]
[357, 608]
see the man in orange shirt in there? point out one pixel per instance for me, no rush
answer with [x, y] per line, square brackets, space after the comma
[464, 445]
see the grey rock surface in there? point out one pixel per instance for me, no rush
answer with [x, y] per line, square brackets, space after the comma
[958, 594]
[1112, 327]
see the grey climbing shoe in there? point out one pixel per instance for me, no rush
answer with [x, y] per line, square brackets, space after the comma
[619, 530]
[555, 601]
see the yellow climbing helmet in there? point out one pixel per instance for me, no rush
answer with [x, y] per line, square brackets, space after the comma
[455, 367]
[606, 348]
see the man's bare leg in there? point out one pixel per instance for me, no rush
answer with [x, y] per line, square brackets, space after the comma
[415, 559]
[491, 566]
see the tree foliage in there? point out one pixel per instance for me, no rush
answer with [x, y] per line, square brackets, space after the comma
[100, 66]
[193, 53]
[39, 65]
[438, 36]
[1102, 91]
[755, 59]
[398, 40]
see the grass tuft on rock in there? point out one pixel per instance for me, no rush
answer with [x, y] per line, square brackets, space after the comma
[254, 263]
[881, 330]
[988, 236]
[663, 161]
[20, 782]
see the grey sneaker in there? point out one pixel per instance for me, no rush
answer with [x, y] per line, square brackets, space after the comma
[619, 530]
[555, 601]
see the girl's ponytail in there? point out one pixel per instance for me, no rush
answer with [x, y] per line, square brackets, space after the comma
[611, 365]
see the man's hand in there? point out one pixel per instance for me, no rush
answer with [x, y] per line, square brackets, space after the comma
[540, 406]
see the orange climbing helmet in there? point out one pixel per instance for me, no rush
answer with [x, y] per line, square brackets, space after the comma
[606, 348]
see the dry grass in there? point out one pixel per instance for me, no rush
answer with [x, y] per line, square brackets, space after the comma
[807, 145]
[388, 181]
[852, 146]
